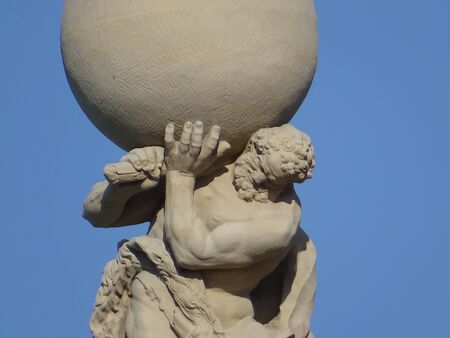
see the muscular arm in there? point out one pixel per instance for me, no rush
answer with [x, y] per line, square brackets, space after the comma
[230, 245]
[132, 193]
[115, 205]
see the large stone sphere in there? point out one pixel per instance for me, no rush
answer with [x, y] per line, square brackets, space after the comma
[135, 65]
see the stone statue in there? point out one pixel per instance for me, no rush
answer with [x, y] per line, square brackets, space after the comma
[216, 240]
[199, 93]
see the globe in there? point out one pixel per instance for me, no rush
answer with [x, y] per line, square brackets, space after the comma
[133, 66]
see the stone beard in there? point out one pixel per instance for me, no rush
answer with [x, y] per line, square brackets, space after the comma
[224, 256]
[296, 156]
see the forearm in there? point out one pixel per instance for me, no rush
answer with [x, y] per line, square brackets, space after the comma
[106, 202]
[141, 208]
[185, 158]
[182, 230]
[180, 213]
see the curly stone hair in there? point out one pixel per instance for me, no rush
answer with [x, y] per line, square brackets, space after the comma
[285, 139]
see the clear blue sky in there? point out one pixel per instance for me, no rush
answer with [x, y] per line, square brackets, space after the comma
[378, 208]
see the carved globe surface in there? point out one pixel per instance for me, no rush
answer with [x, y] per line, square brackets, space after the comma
[135, 65]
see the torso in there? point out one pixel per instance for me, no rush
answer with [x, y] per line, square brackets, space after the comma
[232, 286]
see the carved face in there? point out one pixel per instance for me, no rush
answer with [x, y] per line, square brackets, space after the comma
[285, 167]
[274, 158]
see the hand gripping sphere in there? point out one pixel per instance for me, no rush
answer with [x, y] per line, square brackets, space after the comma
[136, 65]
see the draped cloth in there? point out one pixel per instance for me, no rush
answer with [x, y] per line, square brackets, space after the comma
[283, 301]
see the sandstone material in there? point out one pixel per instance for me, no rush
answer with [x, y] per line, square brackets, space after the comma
[225, 257]
[136, 65]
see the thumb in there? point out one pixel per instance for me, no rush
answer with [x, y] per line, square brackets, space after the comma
[223, 149]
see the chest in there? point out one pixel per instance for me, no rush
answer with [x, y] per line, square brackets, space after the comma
[217, 205]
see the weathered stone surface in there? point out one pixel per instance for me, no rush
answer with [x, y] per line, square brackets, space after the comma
[224, 256]
[136, 65]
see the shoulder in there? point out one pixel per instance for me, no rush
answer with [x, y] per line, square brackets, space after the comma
[285, 215]
[289, 203]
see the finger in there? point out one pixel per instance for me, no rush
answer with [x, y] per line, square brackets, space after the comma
[211, 141]
[142, 157]
[134, 159]
[205, 151]
[151, 158]
[223, 149]
[169, 139]
[185, 139]
[196, 139]
[159, 156]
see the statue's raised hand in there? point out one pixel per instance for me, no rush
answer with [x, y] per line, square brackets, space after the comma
[148, 160]
[140, 165]
[192, 153]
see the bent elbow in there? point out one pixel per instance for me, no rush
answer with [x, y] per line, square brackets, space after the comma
[185, 259]
[187, 262]
[282, 235]
[96, 222]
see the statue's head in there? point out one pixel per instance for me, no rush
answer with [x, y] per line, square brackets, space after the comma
[273, 158]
